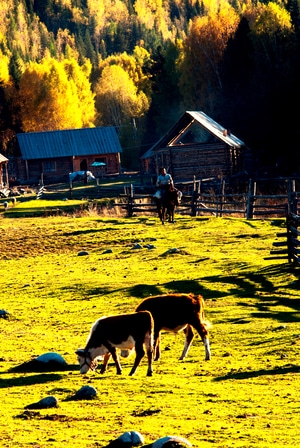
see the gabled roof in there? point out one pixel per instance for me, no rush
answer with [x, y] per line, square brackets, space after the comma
[66, 143]
[188, 119]
[3, 159]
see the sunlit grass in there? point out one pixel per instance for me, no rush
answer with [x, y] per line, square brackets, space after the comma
[246, 396]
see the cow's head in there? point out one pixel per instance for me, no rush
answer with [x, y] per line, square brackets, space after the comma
[85, 360]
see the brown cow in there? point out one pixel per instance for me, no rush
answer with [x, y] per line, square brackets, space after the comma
[126, 332]
[175, 312]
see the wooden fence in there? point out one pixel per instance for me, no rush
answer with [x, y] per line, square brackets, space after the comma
[217, 201]
[290, 246]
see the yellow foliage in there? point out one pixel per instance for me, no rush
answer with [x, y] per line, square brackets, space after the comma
[117, 98]
[154, 14]
[209, 35]
[4, 68]
[105, 12]
[54, 95]
[132, 65]
[268, 18]
[5, 7]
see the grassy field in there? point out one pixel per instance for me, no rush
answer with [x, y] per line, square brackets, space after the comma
[246, 396]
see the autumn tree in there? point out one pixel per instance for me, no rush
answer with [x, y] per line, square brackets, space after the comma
[120, 104]
[203, 51]
[6, 102]
[55, 95]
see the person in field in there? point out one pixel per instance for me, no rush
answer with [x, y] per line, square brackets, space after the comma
[164, 183]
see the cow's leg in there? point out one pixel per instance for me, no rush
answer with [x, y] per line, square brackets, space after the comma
[156, 345]
[201, 328]
[150, 359]
[105, 362]
[115, 357]
[189, 336]
[139, 354]
[149, 342]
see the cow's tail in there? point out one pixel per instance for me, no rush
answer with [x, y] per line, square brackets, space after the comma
[200, 305]
[149, 339]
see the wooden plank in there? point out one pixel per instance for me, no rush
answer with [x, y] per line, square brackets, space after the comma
[279, 243]
[282, 251]
[276, 258]
[294, 230]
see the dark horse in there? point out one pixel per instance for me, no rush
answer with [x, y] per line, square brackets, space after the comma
[166, 206]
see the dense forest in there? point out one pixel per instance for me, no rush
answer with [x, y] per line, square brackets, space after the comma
[139, 64]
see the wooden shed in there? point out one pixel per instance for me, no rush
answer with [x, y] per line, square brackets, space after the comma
[3, 172]
[52, 155]
[198, 146]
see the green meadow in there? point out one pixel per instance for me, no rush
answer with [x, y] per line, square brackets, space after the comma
[247, 395]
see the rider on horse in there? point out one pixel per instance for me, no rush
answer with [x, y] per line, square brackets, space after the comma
[164, 182]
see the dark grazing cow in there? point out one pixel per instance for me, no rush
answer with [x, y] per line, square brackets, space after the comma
[175, 312]
[125, 332]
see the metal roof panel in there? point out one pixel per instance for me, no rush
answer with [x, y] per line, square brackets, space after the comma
[66, 143]
[216, 129]
[185, 121]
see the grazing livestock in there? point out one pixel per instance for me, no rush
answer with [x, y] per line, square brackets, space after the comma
[125, 332]
[81, 175]
[176, 312]
[166, 206]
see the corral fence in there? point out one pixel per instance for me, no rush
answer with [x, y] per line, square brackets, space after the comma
[251, 199]
[289, 247]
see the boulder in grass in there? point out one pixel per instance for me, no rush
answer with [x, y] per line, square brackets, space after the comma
[127, 440]
[132, 437]
[86, 393]
[51, 357]
[4, 314]
[48, 362]
[172, 442]
[44, 403]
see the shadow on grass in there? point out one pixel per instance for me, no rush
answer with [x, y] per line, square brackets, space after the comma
[268, 295]
[291, 368]
[30, 380]
[260, 286]
[179, 286]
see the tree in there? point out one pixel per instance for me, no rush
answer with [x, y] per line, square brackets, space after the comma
[119, 104]
[117, 97]
[203, 51]
[54, 95]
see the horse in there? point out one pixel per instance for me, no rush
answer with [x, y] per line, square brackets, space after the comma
[166, 206]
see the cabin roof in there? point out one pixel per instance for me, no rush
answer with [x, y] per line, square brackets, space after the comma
[3, 159]
[185, 122]
[66, 143]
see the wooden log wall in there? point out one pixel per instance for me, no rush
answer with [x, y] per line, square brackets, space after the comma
[202, 163]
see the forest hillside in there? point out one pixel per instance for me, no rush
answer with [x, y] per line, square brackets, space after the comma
[139, 64]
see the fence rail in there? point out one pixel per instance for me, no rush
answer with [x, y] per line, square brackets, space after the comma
[291, 242]
[196, 203]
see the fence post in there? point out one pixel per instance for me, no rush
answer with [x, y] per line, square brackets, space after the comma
[71, 189]
[130, 201]
[222, 195]
[289, 236]
[292, 197]
[249, 211]
[195, 196]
